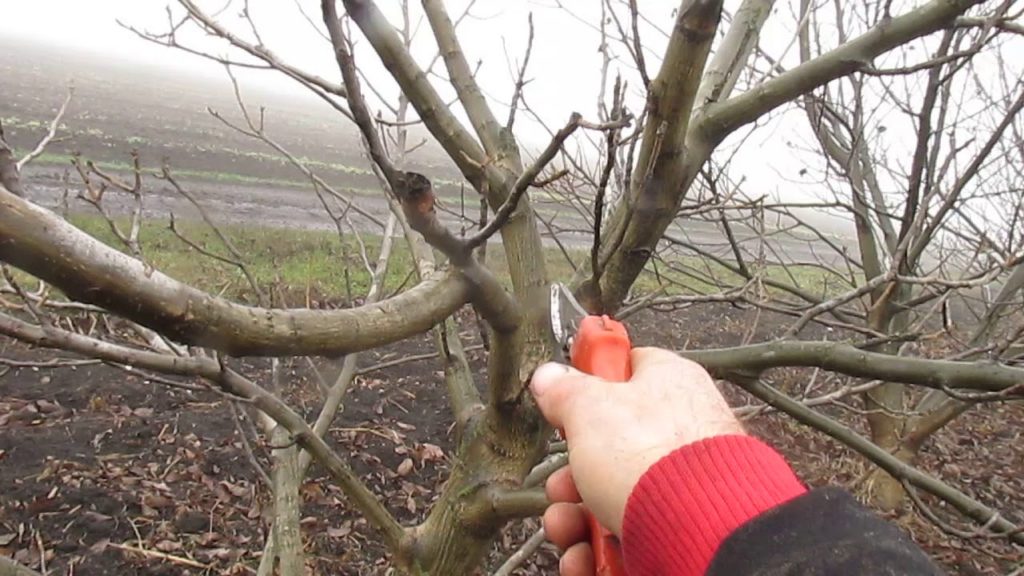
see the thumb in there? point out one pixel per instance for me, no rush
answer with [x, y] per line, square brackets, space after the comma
[555, 387]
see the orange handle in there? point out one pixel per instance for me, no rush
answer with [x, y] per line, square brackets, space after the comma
[601, 348]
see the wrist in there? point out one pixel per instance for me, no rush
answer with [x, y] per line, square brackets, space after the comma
[689, 501]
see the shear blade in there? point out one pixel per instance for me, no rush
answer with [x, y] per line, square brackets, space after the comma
[566, 314]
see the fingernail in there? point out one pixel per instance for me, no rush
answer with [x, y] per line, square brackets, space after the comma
[545, 376]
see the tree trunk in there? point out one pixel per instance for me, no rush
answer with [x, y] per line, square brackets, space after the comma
[884, 491]
[886, 405]
[498, 451]
[286, 551]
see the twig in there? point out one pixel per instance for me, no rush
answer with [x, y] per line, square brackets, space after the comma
[522, 554]
[525, 180]
[611, 147]
[249, 452]
[237, 259]
[407, 359]
[50, 133]
[542, 471]
[161, 555]
[517, 94]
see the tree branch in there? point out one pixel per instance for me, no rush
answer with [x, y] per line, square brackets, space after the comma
[50, 133]
[721, 119]
[453, 137]
[660, 178]
[485, 124]
[256, 50]
[527, 503]
[731, 55]
[742, 361]
[43, 244]
[897, 468]
[522, 555]
[232, 383]
[416, 193]
[10, 179]
[525, 180]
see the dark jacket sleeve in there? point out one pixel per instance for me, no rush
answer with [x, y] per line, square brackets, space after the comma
[823, 532]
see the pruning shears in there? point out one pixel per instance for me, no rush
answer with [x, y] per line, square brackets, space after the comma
[600, 346]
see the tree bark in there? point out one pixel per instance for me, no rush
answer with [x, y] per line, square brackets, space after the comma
[46, 246]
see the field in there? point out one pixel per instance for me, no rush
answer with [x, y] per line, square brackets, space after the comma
[108, 471]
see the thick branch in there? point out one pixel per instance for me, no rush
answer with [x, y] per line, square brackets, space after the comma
[526, 503]
[460, 145]
[357, 104]
[731, 55]
[742, 361]
[458, 376]
[723, 118]
[416, 193]
[473, 102]
[661, 175]
[43, 244]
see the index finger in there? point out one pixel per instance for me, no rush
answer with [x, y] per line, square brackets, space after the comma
[650, 361]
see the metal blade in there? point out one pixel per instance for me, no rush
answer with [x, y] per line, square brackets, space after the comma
[566, 314]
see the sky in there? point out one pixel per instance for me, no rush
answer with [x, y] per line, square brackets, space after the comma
[564, 69]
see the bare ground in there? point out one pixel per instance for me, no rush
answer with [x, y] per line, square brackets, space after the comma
[97, 464]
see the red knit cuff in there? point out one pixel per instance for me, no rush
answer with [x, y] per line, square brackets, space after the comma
[688, 502]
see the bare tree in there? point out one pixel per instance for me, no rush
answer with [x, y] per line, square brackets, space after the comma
[660, 170]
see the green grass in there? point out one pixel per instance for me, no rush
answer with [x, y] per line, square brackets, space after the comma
[296, 267]
[286, 263]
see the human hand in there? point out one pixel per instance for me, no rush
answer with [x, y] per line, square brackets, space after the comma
[615, 432]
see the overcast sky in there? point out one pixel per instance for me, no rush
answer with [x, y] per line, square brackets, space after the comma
[563, 70]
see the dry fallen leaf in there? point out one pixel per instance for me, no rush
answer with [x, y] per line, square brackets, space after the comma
[157, 501]
[427, 452]
[167, 546]
[405, 467]
[340, 531]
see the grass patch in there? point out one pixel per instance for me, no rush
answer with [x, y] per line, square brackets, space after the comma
[297, 268]
[289, 265]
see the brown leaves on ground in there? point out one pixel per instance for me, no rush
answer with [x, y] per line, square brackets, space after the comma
[111, 475]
